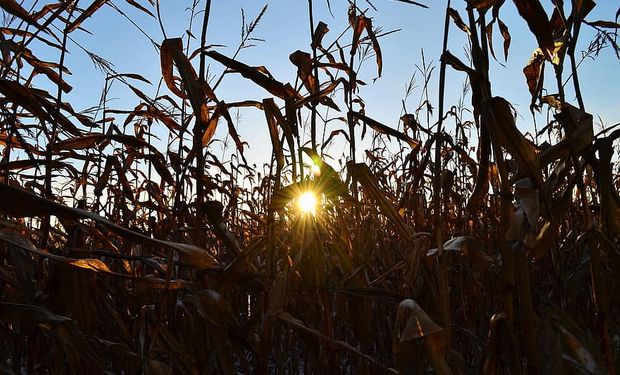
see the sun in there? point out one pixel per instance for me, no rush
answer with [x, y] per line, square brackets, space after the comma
[307, 202]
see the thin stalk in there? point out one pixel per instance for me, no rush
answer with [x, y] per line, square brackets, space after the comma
[104, 100]
[350, 120]
[444, 288]
[316, 75]
[179, 192]
[54, 134]
[198, 132]
[203, 38]
[571, 54]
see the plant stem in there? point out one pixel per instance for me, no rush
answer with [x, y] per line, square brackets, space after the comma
[444, 288]
[52, 139]
[316, 75]
[203, 39]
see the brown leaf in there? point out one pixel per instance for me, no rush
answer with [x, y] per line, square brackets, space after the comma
[604, 24]
[13, 7]
[300, 326]
[538, 22]
[383, 129]
[269, 105]
[489, 34]
[319, 32]
[167, 65]
[534, 74]
[137, 5]
[501, 342]
[412, 322]
[413, 3]
[506, 35]
[357, 23]
[198, 91]
[290, 132]
[47, 8]
[375, 45]
[36, 103]
[90, 264]
[27, 164]
[18, 142]
[303, 62]
[362, 173]
[92, 8]
[458, 21]
[504, 133]
[21, 203]
[482, 4]
[322, 96]
[105, 175]
[271, 85]
[456, 63]
[39, 66]
[92, 140]
[580, 126]
[159, 163]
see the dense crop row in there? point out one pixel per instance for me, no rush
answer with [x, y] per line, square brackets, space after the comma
[474, 249]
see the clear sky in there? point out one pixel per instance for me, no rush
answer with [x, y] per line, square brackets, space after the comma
[285, 28]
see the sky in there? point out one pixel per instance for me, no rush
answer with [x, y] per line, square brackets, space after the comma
[285, 28]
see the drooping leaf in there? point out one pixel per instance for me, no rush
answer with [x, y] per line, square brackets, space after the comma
[272, 111]
[363, 174]
[35, 102]
[468, 246]
[482, 5]
[319, 32]
[604, 24]
[87, 13]
[268, 105]
[92, 140]
[303, 62]
[298, 325]
[137, 5]
[506, 35]
[458, 21]
[271, 85]
[413, 323]
[375, 45]
[412, 3]
[384, 129]
[534, 14]
[21, 203]
[105, 175]
[534, 74]
[14, 8]
[504, 132]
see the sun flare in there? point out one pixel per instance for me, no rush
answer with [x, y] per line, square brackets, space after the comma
[307, 202]
[315, 170]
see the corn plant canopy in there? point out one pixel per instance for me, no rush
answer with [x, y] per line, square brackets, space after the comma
[140, 236]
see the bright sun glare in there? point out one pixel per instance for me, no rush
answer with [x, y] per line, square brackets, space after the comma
[316, 170]
[307, 202]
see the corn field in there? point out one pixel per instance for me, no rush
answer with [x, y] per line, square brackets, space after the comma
[142, 240]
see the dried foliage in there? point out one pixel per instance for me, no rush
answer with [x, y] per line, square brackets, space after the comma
[471, 250]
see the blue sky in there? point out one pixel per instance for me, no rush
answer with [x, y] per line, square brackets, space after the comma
[285, 29]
